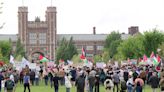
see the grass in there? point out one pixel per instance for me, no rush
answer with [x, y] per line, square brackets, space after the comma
[43, 88]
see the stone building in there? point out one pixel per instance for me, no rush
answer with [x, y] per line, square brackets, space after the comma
[40, 37]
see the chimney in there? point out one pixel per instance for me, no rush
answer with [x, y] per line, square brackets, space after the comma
[94, 30]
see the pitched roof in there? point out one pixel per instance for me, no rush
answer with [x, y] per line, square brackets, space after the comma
[13, 37]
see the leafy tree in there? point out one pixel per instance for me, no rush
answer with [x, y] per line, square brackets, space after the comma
[1, 55]
[66, 50]
[112, 41]
[131, 48]
[105, 56]
[19, 49]
[76, 58]
[5, 47]
[161, 52]
[97, 58]
[152, 40]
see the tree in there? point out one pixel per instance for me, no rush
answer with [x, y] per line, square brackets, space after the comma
[161, 52]
[97, 58]
[66, 50]
[105, 56]
[112, 41]
[76, 58]
[133, 48]
[5, 47]
[152, 40]
[1, 55]
[19, 49]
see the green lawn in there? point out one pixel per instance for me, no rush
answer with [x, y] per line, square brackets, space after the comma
[43, 88]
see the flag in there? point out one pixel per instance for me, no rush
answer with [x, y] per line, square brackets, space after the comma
[155, 61]
[144, 58]
[25, 62]
[40, 57]
[158, 67]
[82, 56]
[11, 59]
[158, 58]
[152, 55]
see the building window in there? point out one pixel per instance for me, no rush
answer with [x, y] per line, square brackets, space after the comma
[89, 47]
[100, 47]
[32, 38]
[42, 38]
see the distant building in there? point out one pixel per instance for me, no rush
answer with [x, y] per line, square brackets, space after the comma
[40, 37]
[133, 30]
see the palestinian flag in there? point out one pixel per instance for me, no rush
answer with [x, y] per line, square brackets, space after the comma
[155, 61]
[40, 57]
[82, 56]
[158, 58]
[158, 67]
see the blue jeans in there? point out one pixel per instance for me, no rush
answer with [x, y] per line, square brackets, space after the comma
[90, 88]
[46, 81]
[37, 81]
[67, 89]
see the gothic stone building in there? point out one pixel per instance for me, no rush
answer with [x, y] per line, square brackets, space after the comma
[40, 37]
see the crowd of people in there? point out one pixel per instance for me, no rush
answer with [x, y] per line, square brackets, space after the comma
[127, 78]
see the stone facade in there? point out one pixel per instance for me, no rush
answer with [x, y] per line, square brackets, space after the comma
[38, 36]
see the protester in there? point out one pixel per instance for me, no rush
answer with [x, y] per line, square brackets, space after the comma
[26, 80]
[161, 83]
[37, 78]
[80, 82]
[130, 83]
[123, 86]
[56, 82]
[68, 84]
[87, 81]
[154, 82]
[1, 78]
[32, 76]
[91, 80]
[9, 84]
[108, 84]
[139, 83]
[97, 80]
[116, 81]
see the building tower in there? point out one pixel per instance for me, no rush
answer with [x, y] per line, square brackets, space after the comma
[22, 24]
[38, 37]
[51, 22]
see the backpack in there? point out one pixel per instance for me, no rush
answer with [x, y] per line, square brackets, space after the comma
[123, 85]
[9, 84]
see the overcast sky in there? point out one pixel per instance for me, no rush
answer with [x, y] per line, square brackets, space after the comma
[79, 16]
